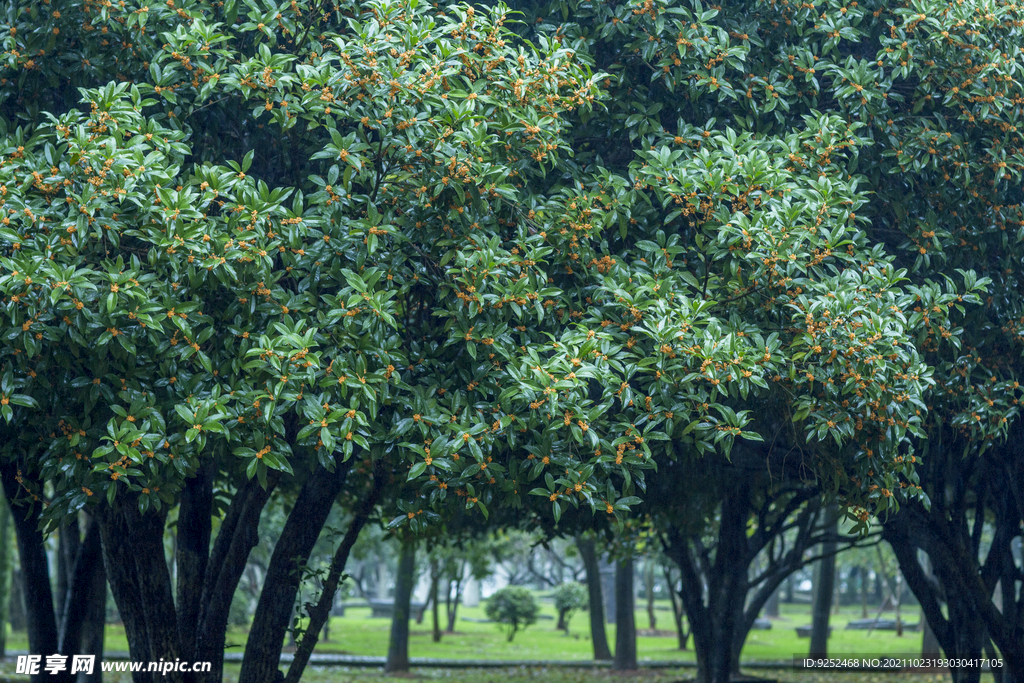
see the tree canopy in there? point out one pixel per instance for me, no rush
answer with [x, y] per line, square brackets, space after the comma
[510, 255]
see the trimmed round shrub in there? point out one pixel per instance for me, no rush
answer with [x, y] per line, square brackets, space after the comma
[513, 607]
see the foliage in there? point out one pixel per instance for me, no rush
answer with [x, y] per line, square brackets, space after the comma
[507, 258]
[514, 607]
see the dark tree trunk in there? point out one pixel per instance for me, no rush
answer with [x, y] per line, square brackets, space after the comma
[81, 589]
[864, 592]
[929, 643]
[715, 587]
[133, 555]
[824, 587]
[652, 620]
[452, 603]
[35, 571]
[677, 610]
[94, 621]
[319, 614]
[960, 635]
[435, 609]
[625, 617]
[964, 491]
[398, 645]
[281, 584]
[6, 565]
[68, 540]
[598, 636]
[17, 602]
[192, 550]
[223, 570]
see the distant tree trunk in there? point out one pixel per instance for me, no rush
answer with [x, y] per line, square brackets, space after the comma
[677, 610]
[899, 599]
[790, 583]
[649, 588]
[598, 636]
[435, 608]
[452, 602]
[864, 592]
[625, 617]
[824, 586]
[398, 646]
[771, 608]
[5, 571]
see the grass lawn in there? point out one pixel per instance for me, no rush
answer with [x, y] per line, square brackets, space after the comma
[356, 633]
[541, 675]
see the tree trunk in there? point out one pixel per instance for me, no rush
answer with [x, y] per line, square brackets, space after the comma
[652, 620]
[929, 643]
[398, 645]
[960, 633]
[771, 608]
[5, 571]
[17, 601]
[677, 610]
[81, 589]
[625, 617]
[35, 572]
[824, 587]
[863, 592]
[133, 555]
[68, 540]
[94, 621]
[319, 614]
[191, 552]
[435, 609]
[281, 583]
[223, 570]
[598, 636]
[715, 625]
[452, 603]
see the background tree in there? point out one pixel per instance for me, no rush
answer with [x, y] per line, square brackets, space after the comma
[569, 598]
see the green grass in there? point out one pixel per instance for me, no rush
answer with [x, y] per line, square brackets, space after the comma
[357, 634]
[537, 675]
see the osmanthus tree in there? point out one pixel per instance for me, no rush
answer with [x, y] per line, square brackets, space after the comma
[727, 261]
[790, 182]
[952, 200]
[176, 327]
[404, 287]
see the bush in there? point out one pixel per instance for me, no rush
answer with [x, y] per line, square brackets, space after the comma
[570, 597]
[514, 607]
